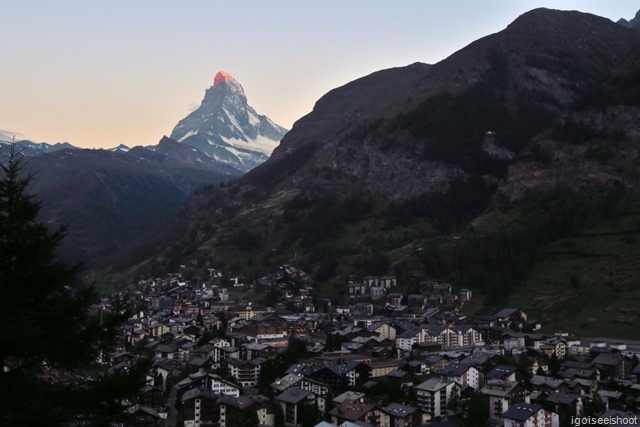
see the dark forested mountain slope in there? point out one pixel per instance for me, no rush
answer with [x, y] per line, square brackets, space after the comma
[109, 198]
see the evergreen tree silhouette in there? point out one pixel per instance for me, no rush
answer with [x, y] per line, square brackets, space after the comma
[49, 341]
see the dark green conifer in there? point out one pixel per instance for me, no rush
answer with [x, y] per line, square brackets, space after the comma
[49, 341]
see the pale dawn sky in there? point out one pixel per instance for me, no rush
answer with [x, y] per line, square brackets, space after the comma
[98, 74]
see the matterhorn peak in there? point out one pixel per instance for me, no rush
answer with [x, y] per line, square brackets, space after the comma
[227, 129]
[222, 77]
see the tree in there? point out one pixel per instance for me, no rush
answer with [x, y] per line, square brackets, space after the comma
[596, 406]
[278, 416]
[49, 340]
[554, 365]
[247, 418]
[478, 410]
[310, 415]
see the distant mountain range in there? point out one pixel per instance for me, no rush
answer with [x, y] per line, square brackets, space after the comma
[111, 197]
[227, 129]
[517, 141]
[27, 147]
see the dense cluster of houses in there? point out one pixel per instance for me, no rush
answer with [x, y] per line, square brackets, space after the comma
[220, 360]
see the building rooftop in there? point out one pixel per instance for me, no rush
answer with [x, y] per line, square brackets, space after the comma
[433, 384]
[454, 369]
[354, 396]
[293, 395]
[398, 410]
[499, 388]
[521, 411]
[500, 372]
[351, 411]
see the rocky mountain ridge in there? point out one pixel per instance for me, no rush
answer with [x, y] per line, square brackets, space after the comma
[30, 149]
[633, 23]
[510, 85]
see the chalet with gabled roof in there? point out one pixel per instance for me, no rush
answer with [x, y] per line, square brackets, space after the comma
[349, 411]
[293, 402]
[143, 416]
[464, 375]
[502, 372]
[612, 365]
[398, 415]
[152, 397]
[341, 376]
[529, 415]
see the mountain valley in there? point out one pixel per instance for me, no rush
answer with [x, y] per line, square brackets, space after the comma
[480, 164]
[471, 171]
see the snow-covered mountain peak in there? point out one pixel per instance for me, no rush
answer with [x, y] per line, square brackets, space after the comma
[222, 77]
[227, 128]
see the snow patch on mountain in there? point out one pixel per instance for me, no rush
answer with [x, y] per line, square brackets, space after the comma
[261, 144]
[120, 148]
[188, 134]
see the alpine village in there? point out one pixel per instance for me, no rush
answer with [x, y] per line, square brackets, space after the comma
[454, 244]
